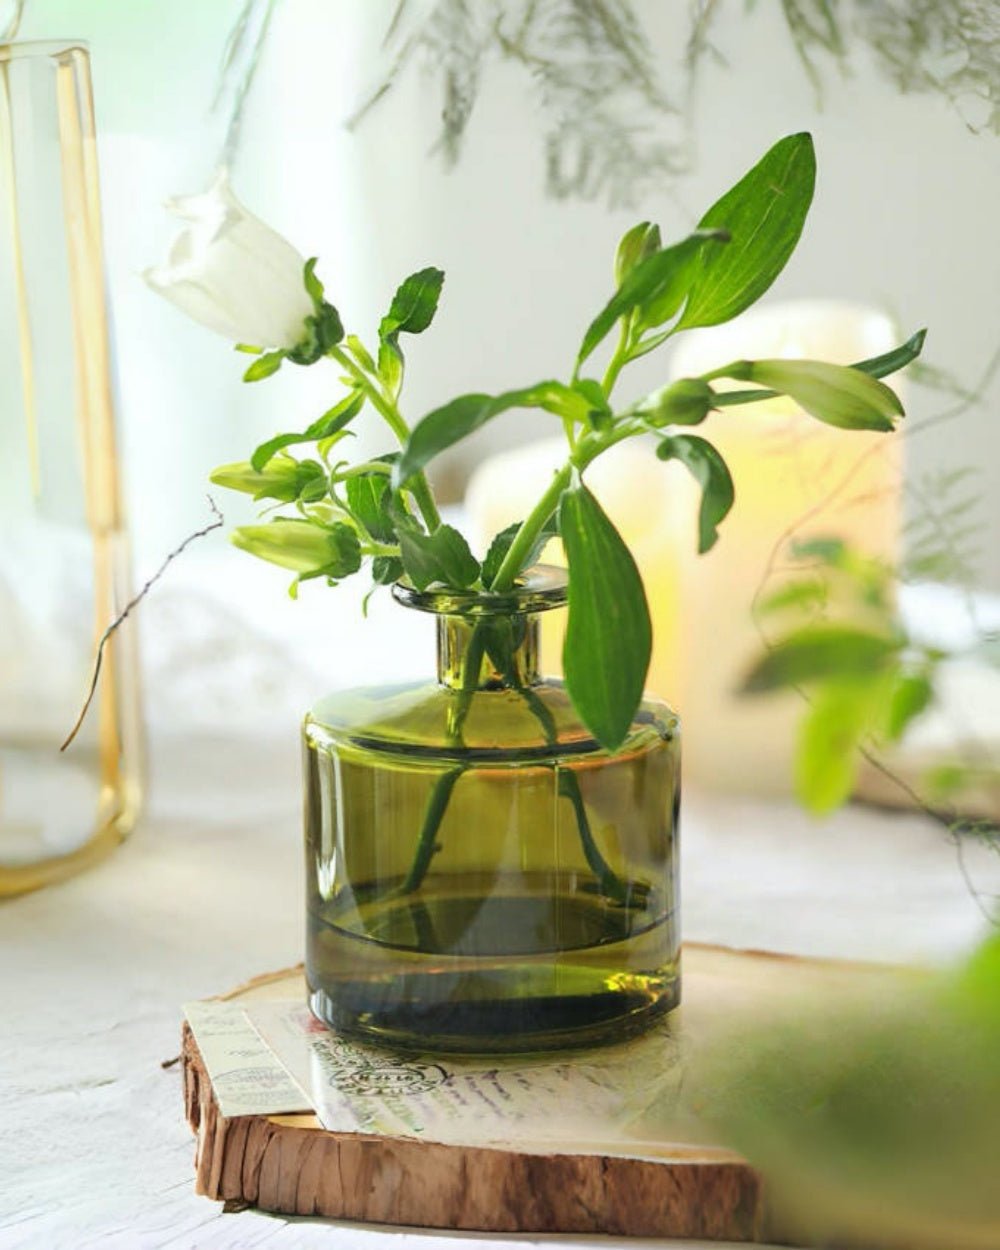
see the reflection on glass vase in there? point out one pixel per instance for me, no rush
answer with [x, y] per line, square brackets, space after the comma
[63, 554]
[481, 875]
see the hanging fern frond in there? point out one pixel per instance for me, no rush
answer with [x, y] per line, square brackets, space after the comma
[942, 538]
[601, 105]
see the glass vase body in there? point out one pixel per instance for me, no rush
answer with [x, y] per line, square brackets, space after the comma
[481, 875]
[64, 563]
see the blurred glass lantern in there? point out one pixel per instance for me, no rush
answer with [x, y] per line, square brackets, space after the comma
[64, 564]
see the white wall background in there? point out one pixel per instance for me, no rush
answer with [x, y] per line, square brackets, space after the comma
[905, 215]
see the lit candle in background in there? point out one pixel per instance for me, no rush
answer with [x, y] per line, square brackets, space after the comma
[635, 490]
[795, 478]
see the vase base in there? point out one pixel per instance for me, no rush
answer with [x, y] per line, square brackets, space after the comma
[485, 1027]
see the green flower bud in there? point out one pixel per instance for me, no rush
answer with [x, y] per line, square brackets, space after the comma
[302, 546]
[283, 478]
[636, 244]
[685, 402]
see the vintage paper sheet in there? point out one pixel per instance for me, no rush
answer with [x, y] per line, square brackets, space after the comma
[587, 1100]
[247, 1076]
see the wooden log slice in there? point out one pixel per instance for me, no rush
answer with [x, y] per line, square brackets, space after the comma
[292, 1165]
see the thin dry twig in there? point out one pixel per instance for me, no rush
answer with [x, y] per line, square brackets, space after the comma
[132, 603]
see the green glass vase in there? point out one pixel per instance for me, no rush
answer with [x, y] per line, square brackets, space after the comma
[481, 875]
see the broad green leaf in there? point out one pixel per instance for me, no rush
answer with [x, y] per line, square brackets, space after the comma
[806, 594]
[764, 214]
[386, 570]
[659, 282]
[688, 401]
[440, 558]
[264, 366]
[368, 498]
[838, 395]
[711, 473]
[331, 422]
[608, 634]
[831, 551]
[944, 781]
[501, 545]
[826, 754]
[456, 420]
[284, 479]
[601, 413]
[876, 366]
[909, 695]
[821, 652]
[302, 546]
[411, 312]
[414, 304]
[635, 245]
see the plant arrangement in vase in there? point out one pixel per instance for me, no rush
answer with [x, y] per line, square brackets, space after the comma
[491, 857]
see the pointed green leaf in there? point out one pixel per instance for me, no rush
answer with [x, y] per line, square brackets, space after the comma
[440, 558]
[826, 754]
[818, 652]
[414, 304]
[892, 361]
[711, 473]
[386, 570]
[910, 695]
[764, 214]
[314, 288]
[264, 366]
[331, 422]
[368, 498]
[501, 545]
[608, 634]
[456, 420]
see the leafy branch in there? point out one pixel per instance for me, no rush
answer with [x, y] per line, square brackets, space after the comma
[382, 515]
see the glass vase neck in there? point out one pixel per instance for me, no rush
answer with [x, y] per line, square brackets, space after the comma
[487, 640]
[491, 653]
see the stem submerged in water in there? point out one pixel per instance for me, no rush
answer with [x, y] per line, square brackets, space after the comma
[609, 883]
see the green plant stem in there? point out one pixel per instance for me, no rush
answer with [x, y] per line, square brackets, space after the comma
[618, 360]
[525, 537]
[418, 485]
[609, 883]
[365, 469]
[588, 449]
[427, 844]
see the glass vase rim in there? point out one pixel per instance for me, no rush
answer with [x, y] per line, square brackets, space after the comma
[42, 49]
[539, 589]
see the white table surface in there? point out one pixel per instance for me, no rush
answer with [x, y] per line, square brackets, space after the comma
[94, 1149]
